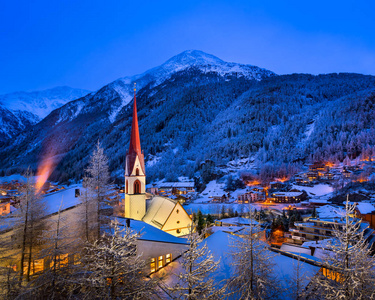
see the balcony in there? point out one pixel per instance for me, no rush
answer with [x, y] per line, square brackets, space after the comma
[293, 230]
[299, 238]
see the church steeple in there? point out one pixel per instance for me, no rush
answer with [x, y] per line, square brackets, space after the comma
[135, 142]
[135, 175]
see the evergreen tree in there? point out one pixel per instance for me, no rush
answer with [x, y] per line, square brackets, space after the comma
[98, 185]
[349, 267]
[200, 222]
[253, 277]
[113, 269]
[198, 267]
[209, 219]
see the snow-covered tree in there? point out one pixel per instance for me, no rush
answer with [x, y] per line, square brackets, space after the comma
[86, 213]
[253, 276]
[28, 232]
[196, 281]
[98, 188]
[349, 267]
[296, 283]
[113, 269]
[54, 281]
[9, 284]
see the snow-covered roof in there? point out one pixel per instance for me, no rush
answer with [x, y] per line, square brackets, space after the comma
[365, 208]
[159, 210]
[329, 211]
[67, 196]
[229, 229]
[151, 233]
[238, 221]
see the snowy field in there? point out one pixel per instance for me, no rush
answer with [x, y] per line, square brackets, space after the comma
[316, 190]
[213, 189]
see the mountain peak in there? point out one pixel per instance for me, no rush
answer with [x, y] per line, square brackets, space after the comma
[193, 57]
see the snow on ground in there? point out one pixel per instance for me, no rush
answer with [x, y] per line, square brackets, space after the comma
[220, 243]
[214, 189]
[12, 177]
[316, 190]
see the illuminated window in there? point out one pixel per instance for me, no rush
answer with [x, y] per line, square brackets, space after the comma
[168, 258]
[153, 265]
[61, 261]
[160, 262]
[38, 265]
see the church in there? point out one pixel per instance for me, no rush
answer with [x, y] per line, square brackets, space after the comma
[161, 212]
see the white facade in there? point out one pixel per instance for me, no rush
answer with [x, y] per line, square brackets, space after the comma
[135, 192]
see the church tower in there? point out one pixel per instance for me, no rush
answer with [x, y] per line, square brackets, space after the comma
[135, 175]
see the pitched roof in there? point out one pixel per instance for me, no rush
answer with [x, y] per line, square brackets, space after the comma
[159, 210]
[150, 233]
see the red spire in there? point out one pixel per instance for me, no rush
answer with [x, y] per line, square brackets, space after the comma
[135, 142]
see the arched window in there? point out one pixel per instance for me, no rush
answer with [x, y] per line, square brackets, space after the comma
[136, 172]
[137, 187]
[127, 187]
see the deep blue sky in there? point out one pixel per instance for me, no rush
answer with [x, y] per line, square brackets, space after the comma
[86, 44]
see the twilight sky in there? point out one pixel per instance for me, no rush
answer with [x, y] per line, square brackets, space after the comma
[88, 43]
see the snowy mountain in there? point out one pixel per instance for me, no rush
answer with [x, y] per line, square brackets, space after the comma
[41, 103]
[206, 63]
[195, 108]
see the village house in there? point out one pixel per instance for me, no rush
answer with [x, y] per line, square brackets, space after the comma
[316, 229]
[250, 197]
[318, 167]
[288, 197]
[365, 212]
[6, 209]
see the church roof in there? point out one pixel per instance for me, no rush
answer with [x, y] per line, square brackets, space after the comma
[158, 211]
[135, 143]
[150, 233]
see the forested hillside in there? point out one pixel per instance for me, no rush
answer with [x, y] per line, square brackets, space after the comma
[196, 115]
